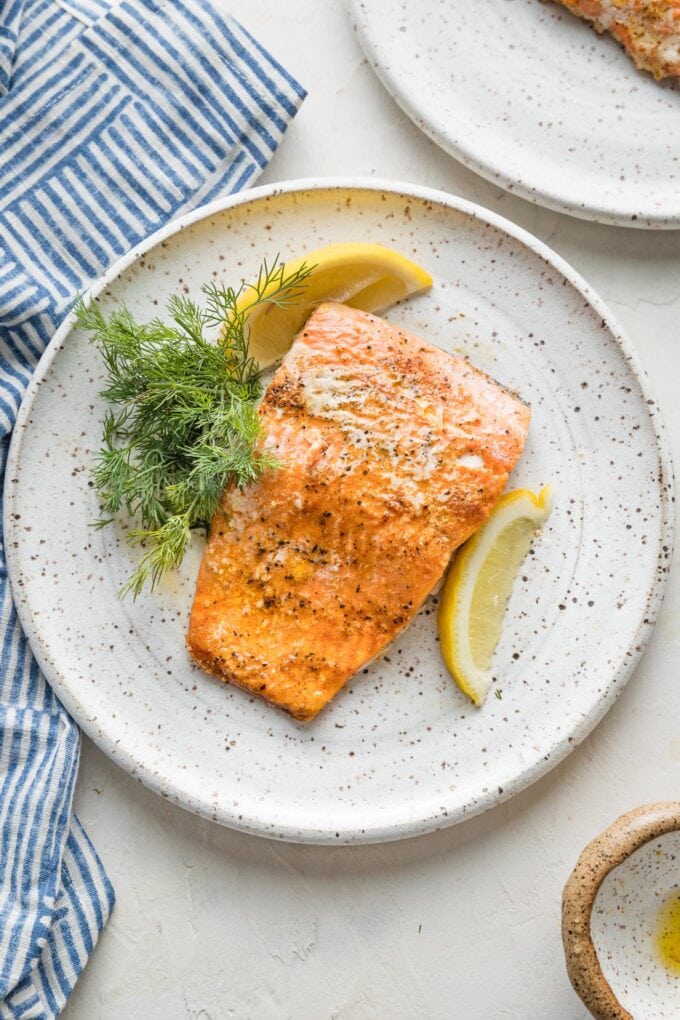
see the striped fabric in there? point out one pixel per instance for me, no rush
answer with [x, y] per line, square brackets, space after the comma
[114, 117]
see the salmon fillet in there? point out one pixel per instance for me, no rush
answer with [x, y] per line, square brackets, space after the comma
[391, 454]
[648, 29]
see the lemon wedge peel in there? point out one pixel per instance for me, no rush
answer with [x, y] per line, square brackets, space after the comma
[367, 276]
[479, 583]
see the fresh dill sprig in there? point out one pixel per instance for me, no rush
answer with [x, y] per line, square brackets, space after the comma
[183, 420]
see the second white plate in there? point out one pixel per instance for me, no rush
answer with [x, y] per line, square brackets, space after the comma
[528, 96]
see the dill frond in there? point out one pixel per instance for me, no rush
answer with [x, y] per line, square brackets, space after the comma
[182, 423]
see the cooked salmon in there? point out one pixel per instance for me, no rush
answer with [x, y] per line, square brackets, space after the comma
[390, 454]
[648, 29]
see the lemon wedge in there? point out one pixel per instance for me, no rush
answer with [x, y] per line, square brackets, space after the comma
[479, 584]
[366, 276]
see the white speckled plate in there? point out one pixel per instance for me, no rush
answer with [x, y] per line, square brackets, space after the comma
[530, 97]
[400, 750]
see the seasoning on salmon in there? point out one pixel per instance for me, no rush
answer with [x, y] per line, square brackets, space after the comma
[391, 453]
[648, 29]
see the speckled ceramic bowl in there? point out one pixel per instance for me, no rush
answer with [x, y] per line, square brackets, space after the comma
[610, 917]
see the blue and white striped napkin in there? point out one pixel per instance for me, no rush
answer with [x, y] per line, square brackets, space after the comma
[114, 117]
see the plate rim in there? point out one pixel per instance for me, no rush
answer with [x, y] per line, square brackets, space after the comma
[414, 824]
[456, 148]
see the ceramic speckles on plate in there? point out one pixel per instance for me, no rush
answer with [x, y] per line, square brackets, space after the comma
[400, 750]
[530, 97]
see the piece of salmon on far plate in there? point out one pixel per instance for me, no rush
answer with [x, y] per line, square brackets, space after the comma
[390, 453]
[649, 30]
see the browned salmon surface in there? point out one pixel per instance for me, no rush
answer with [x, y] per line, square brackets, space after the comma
[648, 29]
[391, 454]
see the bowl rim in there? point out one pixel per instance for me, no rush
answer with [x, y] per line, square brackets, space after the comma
[601, 856]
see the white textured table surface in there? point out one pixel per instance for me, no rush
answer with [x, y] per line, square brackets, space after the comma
[464, 923]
